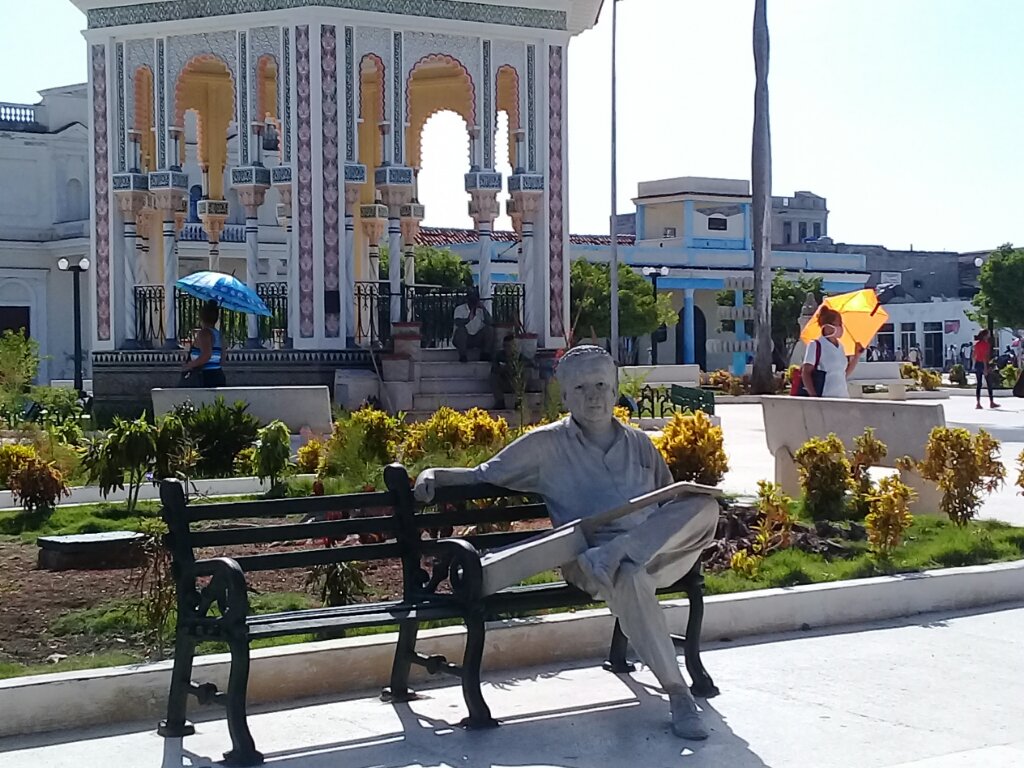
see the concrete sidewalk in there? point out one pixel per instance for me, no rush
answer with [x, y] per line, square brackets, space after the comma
[936, 691]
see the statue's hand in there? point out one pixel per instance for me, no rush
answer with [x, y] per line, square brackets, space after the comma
[424, 489]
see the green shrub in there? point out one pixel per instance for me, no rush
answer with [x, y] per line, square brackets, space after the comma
[964, 467]
[13, 456]
[824, 477]
[19, 365]
[1008, 376]
[867, 453]
[273, 448]
[958, 375]
[176, 455]
[37, 485]
[123, 458]
[693, 448]
[220, 432]
[61, 412]
[888, 517]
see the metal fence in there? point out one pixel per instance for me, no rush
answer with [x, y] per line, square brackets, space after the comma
[149, 316]
[432, 306]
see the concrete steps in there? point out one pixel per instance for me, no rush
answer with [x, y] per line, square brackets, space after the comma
[455, 386]
[460, 402]
[454, 370]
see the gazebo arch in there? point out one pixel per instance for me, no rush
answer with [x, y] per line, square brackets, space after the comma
[207, 88]
[437, 82]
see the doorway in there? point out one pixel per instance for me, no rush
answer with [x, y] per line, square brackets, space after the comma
[15, 319]
[700, 337]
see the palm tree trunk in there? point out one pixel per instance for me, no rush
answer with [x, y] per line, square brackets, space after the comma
[761, 174]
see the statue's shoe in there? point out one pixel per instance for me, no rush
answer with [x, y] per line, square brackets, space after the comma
[686, 721]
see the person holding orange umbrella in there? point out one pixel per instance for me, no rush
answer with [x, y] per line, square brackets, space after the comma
[826, 365]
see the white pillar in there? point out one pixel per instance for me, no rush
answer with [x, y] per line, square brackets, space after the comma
[348, 295]
[528, 277]
[485, 259]
[252, 253]
[130, 256]
[395, 267]
[170, 278]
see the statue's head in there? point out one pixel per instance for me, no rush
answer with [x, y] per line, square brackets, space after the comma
[589, 381]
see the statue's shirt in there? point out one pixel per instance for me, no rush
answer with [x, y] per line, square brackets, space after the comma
[575, 477]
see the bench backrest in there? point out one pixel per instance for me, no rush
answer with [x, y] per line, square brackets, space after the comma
[391, 523]
[664, 374]
[882, 371]
[299, 406]
[789, 422]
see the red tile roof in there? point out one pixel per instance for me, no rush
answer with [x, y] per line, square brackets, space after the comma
[440, 237]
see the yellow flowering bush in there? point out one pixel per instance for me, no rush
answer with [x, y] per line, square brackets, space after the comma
[964, 466]
[824, 477]
[868, 452]
[888, 517]
[622, 413]
[309, 455]
[694, 448]
[382, 432]
[1020, 472]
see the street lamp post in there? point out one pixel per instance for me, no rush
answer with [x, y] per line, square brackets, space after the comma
[65, 265]
[654, 273]
[615, 191]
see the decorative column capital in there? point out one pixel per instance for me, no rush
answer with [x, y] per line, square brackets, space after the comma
[251, 182]
[180, 216]
[214, 215]
[526, 190]
[411, 215]
[374, 221]
[395, 183]
[167, 188]
[483, 188]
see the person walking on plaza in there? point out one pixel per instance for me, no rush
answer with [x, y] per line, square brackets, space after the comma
[203, 368]
[982, 366]
[825, 355]
[473, 328]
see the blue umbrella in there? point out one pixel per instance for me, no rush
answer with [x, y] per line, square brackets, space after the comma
[226, 290]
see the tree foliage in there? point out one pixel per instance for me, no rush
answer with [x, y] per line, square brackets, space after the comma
[590, 302]
[999, 283]
[19, 364]
[434, 266]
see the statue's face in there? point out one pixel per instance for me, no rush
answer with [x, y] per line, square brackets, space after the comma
[589, 390]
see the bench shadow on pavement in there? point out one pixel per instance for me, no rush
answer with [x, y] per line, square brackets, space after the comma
[597, 734]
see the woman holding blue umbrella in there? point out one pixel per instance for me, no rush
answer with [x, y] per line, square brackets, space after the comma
[203, 368]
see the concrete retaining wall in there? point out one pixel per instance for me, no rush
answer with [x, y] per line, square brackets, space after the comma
[77, 699]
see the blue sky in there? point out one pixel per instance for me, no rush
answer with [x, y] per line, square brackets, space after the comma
[906, 114]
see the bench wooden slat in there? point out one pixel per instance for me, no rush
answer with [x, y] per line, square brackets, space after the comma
[456, 494]
[306, 505]
[384, 618]
[334, 529]
[304, 558]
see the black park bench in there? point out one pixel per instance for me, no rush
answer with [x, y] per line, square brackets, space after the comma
[441, 580]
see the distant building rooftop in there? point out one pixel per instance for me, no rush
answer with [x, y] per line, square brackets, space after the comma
[694, 185]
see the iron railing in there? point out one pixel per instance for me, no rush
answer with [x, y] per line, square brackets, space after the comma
[149, 316]
[431, 306]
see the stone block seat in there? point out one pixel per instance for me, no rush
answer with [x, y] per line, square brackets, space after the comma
[664, 375]
[298, 406]
[882, 374]
[789, 422]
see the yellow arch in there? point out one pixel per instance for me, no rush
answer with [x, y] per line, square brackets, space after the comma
[507, 100]
[143, 118]
[206, 86]
[437, 83]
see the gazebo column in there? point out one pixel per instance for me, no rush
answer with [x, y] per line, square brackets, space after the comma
[131, 191]
[355, 178]
[395, 185]
[412, 215]
[483, 188]
[374, 220]
[281, 180]
[252, 183]
[527, 192]
[168, 189]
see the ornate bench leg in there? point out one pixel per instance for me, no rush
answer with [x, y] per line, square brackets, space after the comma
[617, 662]
[703, 685]
[479, 712]
[404, 651]
[176, 726]
[243, 748]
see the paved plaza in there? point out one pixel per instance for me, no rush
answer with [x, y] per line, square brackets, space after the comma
[935, 691]
[750, 460]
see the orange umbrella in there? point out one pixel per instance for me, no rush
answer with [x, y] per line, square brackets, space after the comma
[862, 315]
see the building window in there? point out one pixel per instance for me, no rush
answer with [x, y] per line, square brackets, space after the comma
[933, 342]
[718, 223]
[787, 231]
[887, 342]
[785, 202]
[817, 230]
[908, 337]
[803, 231]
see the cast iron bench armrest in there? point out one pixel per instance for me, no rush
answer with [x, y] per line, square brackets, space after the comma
[465, 573]
[226, 588]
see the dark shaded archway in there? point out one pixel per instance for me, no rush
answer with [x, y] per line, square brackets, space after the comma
[700, 338]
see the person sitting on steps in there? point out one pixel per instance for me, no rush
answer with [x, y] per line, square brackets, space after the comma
[473, 327]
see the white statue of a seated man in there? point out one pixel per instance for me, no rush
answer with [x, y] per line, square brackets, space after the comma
[589, 463]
